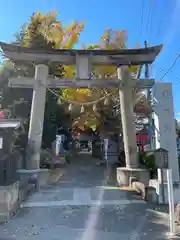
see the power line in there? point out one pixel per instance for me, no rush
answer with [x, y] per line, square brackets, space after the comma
[142, 16]
[159, 24]
[150, 28]
[169, 69]
[159, 28]
[176, 79]
[149, 21]
[153, 12]
[162, 70]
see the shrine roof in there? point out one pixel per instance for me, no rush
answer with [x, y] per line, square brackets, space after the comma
[67, 56]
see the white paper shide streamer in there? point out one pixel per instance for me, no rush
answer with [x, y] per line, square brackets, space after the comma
[82, 109]
[70, 107]
[106, 148]
[58, 144]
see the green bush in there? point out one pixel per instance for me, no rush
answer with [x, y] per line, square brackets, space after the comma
[147, 159]
[45, 157]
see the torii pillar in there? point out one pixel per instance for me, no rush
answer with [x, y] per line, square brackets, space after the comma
[132, 170]
[37, 116]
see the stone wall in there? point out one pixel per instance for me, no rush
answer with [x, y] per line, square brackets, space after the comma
[9, 201]
[164, 199]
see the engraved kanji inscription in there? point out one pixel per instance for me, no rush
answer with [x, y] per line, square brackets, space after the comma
[167, 93]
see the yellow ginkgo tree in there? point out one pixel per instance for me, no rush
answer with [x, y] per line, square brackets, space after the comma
[85, 98]
[45, 31]
[42, 31]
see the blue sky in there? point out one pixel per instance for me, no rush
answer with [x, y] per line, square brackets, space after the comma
[160, 25]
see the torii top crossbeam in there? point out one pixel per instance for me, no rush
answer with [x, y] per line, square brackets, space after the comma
[68, 57]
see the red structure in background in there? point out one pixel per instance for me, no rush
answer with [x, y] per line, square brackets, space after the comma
[76, 136]
[2, 117]
[142, 140]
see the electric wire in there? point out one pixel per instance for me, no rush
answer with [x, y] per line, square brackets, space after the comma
[149, 19]
[142, 16]
[170, 68]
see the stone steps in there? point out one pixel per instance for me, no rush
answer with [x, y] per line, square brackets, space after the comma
[80, 196]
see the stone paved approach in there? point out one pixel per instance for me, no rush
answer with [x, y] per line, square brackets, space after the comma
[79, 197]
[79, 208]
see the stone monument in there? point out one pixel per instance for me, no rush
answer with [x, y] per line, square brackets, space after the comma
[164, 123]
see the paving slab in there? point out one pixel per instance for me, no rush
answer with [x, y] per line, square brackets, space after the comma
[135, 221]
[81, 206]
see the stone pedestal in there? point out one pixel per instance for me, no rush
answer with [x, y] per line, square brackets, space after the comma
[125, 174]
[162, 191]
[9, 201]
[41, 176]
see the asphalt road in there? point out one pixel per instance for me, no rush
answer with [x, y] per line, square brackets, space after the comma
[82, 206]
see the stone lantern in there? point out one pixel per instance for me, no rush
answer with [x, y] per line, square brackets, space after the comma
[161, 161]
[161, 158]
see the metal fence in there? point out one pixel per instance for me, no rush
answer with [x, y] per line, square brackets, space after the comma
[8, 167]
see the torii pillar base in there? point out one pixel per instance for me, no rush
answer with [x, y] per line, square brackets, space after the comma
[126, 175]
[33, 174]
[132, 170]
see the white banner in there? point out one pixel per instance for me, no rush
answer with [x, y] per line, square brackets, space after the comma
[58, 144]
[106, 148]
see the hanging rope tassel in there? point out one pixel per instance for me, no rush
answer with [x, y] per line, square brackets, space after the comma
[106, 101]
[82, 109]
[94, 107]
[70, 107]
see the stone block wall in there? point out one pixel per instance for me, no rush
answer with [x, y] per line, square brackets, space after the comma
[9, 201]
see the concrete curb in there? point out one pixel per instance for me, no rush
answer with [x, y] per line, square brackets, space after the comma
[147, 193]
[55, 175]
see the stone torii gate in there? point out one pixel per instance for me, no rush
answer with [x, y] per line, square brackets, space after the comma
[84, 60]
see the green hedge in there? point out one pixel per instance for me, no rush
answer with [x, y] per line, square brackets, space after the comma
[147, 159]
